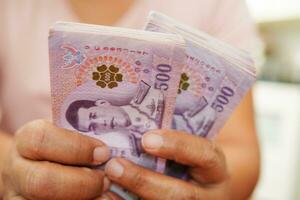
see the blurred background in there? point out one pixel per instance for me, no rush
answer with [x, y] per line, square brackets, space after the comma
[277, 98]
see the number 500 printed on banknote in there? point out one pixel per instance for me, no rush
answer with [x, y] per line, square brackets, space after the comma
[114, 84]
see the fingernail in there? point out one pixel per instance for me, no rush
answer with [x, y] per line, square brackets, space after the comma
[152, 141]
[101, 154]
[114, 169]
[106, 184]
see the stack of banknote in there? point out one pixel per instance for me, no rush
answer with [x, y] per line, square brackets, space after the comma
[115, 84]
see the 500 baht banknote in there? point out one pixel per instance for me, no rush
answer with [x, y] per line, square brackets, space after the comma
[214, 80]
[114, 84]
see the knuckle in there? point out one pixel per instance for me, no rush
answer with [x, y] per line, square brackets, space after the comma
[31, 138]
[6, 177]
[46, 182]
[6, 172]
[216, 148]
[184, 193]
[179, 145]
[38, 183]
[176, 193]
[211, 156]
[195, 194]
[219, 153]
[82, 148]
[38, 142]
[14, 198]
[32, 126]
[138, 180]
[192, 194]
[10, 170]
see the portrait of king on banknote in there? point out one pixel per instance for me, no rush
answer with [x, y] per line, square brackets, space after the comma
[119, 124]
[115, 84]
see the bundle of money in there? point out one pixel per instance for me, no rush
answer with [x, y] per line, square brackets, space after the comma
[214, 79]
[114, 84]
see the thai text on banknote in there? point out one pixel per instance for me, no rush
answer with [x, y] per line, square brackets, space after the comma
[114, 84]
[214, 79]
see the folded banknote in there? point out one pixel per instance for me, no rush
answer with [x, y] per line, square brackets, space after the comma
[114, 84]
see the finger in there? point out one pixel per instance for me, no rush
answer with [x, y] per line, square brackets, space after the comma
[106, 184]
[150, 185]
[207, 161]
[12, 195]
[17, 198]
[40, 140]
[109, 196]
[46, 180]
[113, 196]
[14, 198]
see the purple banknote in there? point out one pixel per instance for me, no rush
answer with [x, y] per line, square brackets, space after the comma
[214, 79]
[114, 84]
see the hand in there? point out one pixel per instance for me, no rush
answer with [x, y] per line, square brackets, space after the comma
[207, 168]
[47, 162]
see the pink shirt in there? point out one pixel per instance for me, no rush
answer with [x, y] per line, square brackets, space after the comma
[24, 73]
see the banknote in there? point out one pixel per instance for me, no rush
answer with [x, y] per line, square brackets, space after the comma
[114, 84]
[214, 80]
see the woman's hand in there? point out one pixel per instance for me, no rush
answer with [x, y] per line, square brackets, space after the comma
[206, 161]
[48, 163]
